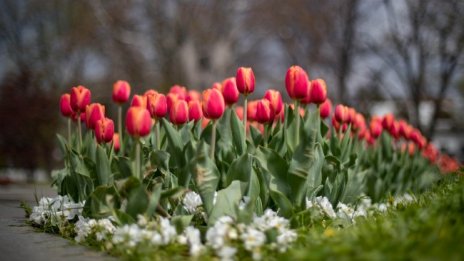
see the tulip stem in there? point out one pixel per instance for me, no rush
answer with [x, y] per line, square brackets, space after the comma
[245, 118]
[121, 138]
[213, 140]
[79, 129]
[157, 134]
[137, 159]
[266, 133]
[69, 131]
[297, 109]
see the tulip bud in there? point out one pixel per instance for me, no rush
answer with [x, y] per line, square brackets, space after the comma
[387, 121]
[341, 113]
[80, 98]
[139, 101]
[104, 130]
[138, 121]
[116, 142]
[405, 129]
[157, 105]
[179, 112]
[193, 96]
[245, 79]
[171, 98]
[121, 92]
[325, 109]
[213, 104]
[230, 91]
[251, 110]
[318, 91]
[351, 115]
[307, 98]
[195, 112]
[150, 92]
[275, 100]
[375, 127]
[264, 112]
[395, 130]
[217, 86]
[93, 113]
[296, 82]
[180, 91]
[65, 105]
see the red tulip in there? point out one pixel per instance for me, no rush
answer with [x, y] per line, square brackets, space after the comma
[230, 91]
[375, 127]
[296, 82]
[157, 105]
[65, 105]
[275, 100]
[307, 98]
[359, 123]
[150, 92]
[104, 130]
[387, 121]
[213, 104]
[138, 121]
[193, 96]
[195, 112]
[325, 108]
[245, 79]
[264, 113]
[351, 115]
[139, 101]
[341, 113]
[318, 91]
[180, 91]
[116, 142]
[251, 110]
[217, 86]
[93, 113]
[80, 98]
[171, 98]
[121, 92]
[239, 111]
[395, 130]
[179, 112]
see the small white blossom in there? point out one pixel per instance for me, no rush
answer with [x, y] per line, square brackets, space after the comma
[191, 201]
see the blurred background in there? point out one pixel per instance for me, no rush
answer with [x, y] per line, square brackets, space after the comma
[400, 56]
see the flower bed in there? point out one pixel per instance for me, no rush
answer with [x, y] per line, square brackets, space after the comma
[198, 174]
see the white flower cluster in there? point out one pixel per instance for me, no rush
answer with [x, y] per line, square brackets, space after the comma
[55, 209]
[101, 229]
[362, 209]
[191, 202]
[226, 236]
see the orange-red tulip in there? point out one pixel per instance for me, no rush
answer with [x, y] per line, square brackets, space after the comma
[116, 142]
[193, 95]
[179, 113]
[139, 101]
[296, 82]
[275, 100]
[150, 92]
[213, 104]
[318, 91]
[138, 121]
[245, 79]
[230, 91]
[157, 105]
[180, 91]
[217, 86]
[195, 112]
[239, 111]
[80, 98]
[387, 121]
[264, 113]
[65, 105]
[325, 109]
[375, 127]
[341, 113]
[251, 110]
[171, 98]
[93, 113]
[121, 92]
[104, 130]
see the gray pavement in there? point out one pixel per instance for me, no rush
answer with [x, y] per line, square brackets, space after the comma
[21, 242]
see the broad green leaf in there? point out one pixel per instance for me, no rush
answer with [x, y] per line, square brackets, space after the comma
[174, 142]
[137, 202]
[237, 134]
[256, 136]
[240, 170]
[100, 202]
[103, 169]
[276, 166]
[284, 204]
[228, 200]
[160, 160]
[154, 200]
[181, 222]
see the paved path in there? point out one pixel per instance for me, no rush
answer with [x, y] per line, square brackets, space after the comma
[20, 242]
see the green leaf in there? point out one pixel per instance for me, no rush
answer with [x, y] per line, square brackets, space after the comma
[237, 134]
[100, 202]
[121, 167]
[181, 222]
[137, 202]
[63, 144]
[256, 136]
[175, 143]
[284, 204]
[228, 200]
[160, 160]
[154, 199]
[103, 169]
[240, 170]
[206, 176]
[276, 166]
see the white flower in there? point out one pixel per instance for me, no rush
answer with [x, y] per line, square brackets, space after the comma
[191, 201]
[168, 231]
[382, 207]
[194, 240]
[253, 238]
[227, 253]
[285, 239]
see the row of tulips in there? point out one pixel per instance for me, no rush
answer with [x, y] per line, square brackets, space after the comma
[266, 153]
